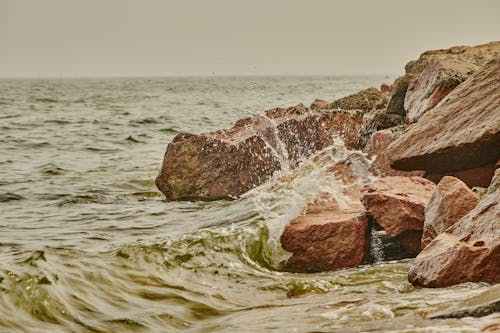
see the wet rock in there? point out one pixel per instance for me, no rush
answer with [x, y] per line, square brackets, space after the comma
[481, 305]
[451, 201]
[365, 100]
[227, 163]
[319, 104]
[468, 251]
[434, 83]
[397, 204]
[380, 166]
[460, 133]
[330, 234]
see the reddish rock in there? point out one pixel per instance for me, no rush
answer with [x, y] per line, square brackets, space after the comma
[366, 100]
[469, 251]
[434, 83]
[479, 177]
[461, 133]
[329, 236]
[451, 201]
[384, 87]
[397, 204]
[380, 166]
[227, 163]
[319, 104]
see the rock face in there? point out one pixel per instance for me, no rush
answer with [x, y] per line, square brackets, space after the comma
[397, 204]
[365, 100]
[379, 141]
[451, 201]
[397, 100]
[469, 251]
[436, 81]
[227, 163]
[462, 132]
[329, 235]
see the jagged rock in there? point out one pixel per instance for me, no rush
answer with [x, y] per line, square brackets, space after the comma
[468, 251]
[397, 100]
[434, 83]
[319, 104]
[486, 303]
[382, 120]
[460, 133]
[366, 100]
[329, 235]
[451, 201]
[380, 166]
[397, 204]
[474, 177]
[227, 163]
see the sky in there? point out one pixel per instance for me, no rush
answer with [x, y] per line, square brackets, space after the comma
[103, 38]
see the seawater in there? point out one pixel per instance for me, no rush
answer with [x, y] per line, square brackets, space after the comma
[88, 244]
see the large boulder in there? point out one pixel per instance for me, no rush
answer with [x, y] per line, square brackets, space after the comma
[451, 201]
[468, 251]
[462, 132]
[227, 163]
[397, 204]
[330, 234]
[435, 82]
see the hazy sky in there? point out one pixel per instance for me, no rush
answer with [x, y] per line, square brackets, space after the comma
[230, 37]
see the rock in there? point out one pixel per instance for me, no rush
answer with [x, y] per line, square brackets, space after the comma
[495, 182]
[383, 120]
[396, 102]
[474, 177]
[329, 235]
[484, 304]
[319, 104]
[397, 204]
[384, 87]
[493, 327]
[365, 100]
[462, 132]
[380, 166]
[227, 163]
[451, 201]
[434, 83]
[468, 251]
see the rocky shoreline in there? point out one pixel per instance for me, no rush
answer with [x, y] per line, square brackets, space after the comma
[433, 138]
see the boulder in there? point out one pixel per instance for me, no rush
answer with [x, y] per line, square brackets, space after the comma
[396, 102]
[468, 251]
[227, 163]
[366, 100]
[375, 149]
[474, 177]
[462, 132]
[434, 83]
[319, 104]
[397, 203]
[451, 201]
[329, 234]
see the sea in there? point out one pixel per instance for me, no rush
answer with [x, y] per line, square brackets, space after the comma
[88, 243]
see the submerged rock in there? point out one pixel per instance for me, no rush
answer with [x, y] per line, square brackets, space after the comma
[397, 204]
[486, 303]
[451, 201]
[468, 251]
[227, 163]
[460, 133]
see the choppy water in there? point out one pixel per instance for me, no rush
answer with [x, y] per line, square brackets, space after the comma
[87, 243]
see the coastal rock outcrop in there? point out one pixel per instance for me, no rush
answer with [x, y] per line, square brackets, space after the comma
[461, 133]
[397, 204]
[451, 201]
[366, 100]
[227, 163]
[329, 234]
[468, 251]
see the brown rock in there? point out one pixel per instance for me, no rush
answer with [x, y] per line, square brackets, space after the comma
[365, 100]
[468, 251]
[460, 133]
[479, 177]
[227, 163]
[396, 102]
[329, 236]
[434, 83]
[451, 201]
[319, 104]
[384, 87]
[380, 166]
[397, 204]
